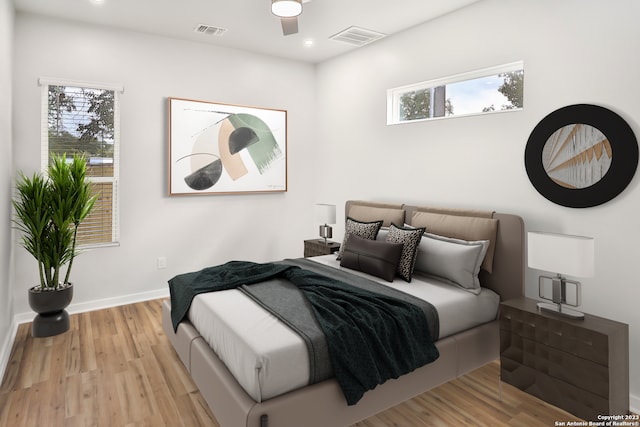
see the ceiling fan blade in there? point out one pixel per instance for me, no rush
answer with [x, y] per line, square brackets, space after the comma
[289, 25]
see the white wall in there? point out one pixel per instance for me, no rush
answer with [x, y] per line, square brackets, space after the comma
[574, 51]
[191, 232]
[6, 65]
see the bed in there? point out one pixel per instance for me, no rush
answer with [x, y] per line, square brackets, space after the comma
[254, 400]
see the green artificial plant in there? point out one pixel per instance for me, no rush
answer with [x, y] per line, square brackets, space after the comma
[49, 210]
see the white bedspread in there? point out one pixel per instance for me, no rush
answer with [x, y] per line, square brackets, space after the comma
[268, 359]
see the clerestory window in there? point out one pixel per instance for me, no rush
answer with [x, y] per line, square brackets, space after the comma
[489, 90]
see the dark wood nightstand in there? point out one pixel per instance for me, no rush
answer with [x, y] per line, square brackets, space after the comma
[316, 247]
[581, 366]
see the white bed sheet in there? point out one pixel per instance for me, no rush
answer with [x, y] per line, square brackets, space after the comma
[268, 359]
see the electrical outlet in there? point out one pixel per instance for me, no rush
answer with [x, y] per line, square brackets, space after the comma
[162, 262]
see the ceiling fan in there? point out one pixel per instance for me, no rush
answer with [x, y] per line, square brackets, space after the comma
[288, 11]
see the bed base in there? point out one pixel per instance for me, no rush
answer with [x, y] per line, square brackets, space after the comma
[322, 404]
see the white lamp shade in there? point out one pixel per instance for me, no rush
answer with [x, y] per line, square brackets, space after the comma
[286, 8]
[326, 214]
[561, 253]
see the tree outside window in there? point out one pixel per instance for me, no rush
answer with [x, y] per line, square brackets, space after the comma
[82, 120]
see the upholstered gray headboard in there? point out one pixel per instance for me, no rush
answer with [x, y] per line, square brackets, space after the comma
[503, 269]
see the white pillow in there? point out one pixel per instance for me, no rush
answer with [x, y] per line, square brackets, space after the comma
[457, 261]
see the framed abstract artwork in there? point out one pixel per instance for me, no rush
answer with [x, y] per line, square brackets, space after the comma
[225, 148]
[581, 156]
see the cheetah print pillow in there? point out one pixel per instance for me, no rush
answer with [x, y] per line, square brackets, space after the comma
[366, 230]
[410, 237]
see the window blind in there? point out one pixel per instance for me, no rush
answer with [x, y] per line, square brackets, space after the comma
[83, 118]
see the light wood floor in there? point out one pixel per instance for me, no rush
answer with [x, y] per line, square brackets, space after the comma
[115, 367]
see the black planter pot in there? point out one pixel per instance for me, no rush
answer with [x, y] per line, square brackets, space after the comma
[52, 318]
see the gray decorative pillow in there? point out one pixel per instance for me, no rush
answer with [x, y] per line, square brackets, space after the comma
[366, 230]
[461, 227]
[410, 238]
[457, 261]
[374, 257]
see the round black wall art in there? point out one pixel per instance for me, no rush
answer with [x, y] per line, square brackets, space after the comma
[581, 156]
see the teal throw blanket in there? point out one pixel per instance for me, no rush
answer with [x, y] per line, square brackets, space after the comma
[371, 338]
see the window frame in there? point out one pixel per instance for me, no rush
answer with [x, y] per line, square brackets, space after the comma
[118, 89]
[395, 94]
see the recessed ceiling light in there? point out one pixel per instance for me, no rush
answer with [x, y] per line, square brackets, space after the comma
[309, 42]
[99, 2]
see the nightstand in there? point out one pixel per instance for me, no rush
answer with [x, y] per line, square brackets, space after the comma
[581, 366]
[316, 247]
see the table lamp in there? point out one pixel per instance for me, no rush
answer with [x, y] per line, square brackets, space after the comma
[561, 254]
[326, 214]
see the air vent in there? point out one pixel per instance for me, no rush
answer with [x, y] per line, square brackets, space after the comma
[357, 36]
[209, 30]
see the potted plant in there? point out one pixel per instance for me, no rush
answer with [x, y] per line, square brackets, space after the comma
[49, 210]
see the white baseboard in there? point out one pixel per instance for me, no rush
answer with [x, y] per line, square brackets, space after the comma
[103, 303]
[634, 404]
[116, 301]
[5, 349]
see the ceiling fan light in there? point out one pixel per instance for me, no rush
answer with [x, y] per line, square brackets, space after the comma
[286, 8]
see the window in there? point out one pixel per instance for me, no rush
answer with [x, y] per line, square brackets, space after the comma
[84, 118]
[492, 89]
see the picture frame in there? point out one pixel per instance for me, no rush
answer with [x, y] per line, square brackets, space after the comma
[581, 156]
[217, 148]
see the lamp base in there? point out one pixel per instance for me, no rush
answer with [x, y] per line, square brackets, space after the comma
[326, 232]
[561, 310]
